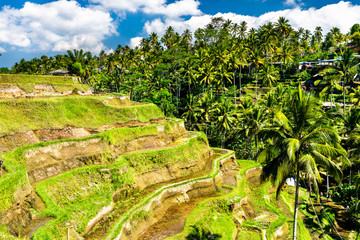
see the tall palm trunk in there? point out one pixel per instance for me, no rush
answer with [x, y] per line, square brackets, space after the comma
[344, 94]
[240, 84]
[296, 209]
[256, 84]
[234, 88]
[327, 185]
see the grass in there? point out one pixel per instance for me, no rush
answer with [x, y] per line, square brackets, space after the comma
[14, 163]
[4, 234]
[35, 79]
[14, 181]
[31, 87]
[190, 152]
[90, 112]
[207, 215]
[117, 227]
[249, 229]
[78, 195]
[246, 234]
[28, 82]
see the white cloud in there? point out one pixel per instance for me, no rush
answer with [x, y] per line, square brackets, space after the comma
[342, 15]
[135, 42]
[173, 10]
[55, 26]
[2, 50]
[293, 3]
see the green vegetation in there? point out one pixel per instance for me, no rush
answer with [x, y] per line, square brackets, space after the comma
[35, 79]
[78, 195]
[214, 214]
[243, 90]
[189, 152]
[90, 112]
[15, 161]
[117, 227]
[28, 82]
[16, 179]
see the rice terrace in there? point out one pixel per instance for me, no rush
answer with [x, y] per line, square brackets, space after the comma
[240, 127]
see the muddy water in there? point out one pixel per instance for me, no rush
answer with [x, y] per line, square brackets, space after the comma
[102, 227]
[173, 221]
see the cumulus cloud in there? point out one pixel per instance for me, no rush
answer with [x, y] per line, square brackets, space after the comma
[293, 3]
[135, 42]
[342, 15]
[173, 10]
[55, 26]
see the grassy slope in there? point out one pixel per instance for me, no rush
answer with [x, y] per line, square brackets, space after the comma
[134, 212]
[27, 82]
[91, 112]
[16, 178]
[24, 78]
[78, 195]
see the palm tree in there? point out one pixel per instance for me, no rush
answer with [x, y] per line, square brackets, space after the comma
[299, 142]
[243, 28]
[191, 113]
[329, 83]
[346, 68]
[256, 59]
[283, 28]
[78, 56]
[285, 54]
[318, 35]
[253, 119]
[225, 117]
[355, 97]
[268, 75]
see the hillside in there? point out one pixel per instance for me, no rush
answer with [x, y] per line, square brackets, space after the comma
[20, 85]
[102, 167]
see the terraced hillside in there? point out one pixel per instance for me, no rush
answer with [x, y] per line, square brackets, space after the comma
[102, 167]
[34, 86]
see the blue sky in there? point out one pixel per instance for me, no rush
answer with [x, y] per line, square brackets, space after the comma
[40, 27]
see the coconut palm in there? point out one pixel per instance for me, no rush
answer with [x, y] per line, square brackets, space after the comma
[191, 113]
[346, 68]
[355, 97]
[226, 117]
[267, 75]
[329, 83]
[299, 142]
[256, 60]
[253, 118]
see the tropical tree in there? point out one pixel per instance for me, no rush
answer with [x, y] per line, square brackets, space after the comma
[329, 83]
[256, 59]
[355, 97]
[268, 75]
[226, 117]
[346, 68]
[191, 113]
[299, 142]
